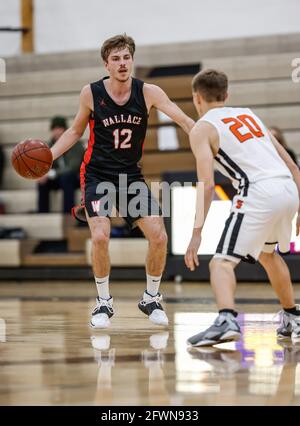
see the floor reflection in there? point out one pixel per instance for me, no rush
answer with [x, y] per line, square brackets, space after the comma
[152, 358]
[49, 356]
[105, 358]
[224, 362]
[257, 369]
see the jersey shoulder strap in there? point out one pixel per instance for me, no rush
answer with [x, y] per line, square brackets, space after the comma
[97, 88]
[138, 92]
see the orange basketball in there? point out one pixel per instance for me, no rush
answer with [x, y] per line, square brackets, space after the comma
[32, 158]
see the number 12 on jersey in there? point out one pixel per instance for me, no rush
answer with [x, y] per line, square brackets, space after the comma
[126, 142]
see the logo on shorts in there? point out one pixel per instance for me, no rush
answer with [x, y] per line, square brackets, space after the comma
[102, 103]
[95, 205]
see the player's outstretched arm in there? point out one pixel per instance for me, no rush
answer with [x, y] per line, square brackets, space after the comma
[74, 133]
[293, 169]
[157, 98]
[201, 138]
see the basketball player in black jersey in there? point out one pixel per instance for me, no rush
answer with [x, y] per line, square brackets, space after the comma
[117, 109]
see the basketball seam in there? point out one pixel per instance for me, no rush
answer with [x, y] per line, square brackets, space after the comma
[37, 159]
[26, 163]
[28, 150]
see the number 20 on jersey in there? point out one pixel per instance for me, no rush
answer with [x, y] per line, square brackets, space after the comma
[240, 122]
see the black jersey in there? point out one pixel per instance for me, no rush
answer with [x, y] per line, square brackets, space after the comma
[117, 132]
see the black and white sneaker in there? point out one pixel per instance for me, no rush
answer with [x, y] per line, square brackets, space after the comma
[289, 327]
[224, 329]
[151, 306]
[296, 329]
[284, 331]
[102, 313]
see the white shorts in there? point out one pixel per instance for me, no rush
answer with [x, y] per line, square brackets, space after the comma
[260, 221]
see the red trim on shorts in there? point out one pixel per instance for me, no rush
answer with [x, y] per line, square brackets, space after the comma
[87, 158]
[73, 212]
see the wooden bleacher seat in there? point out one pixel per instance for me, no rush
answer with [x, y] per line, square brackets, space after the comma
[159, 162]
[49, 82]
[177, 87]
[10, 253]
[242, 94]
[124, 251]
[253, 67]
[19, 200]
[284, 117]
[11, 180]
[40, 226]
[292, 138]
[10, 134]
[25, 200]
[264, 93]
[161, 54]
[38, 107]
[13, 251]
[288, 115]
[55, 259]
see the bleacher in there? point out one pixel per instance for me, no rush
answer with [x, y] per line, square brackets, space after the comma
[41, 86]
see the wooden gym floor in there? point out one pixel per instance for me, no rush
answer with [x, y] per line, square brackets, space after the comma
[50, 356]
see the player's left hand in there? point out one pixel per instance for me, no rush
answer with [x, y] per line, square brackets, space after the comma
[191, 258]
[298, 225]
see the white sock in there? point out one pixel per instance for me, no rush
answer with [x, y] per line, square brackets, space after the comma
[102, 285]
[153, 284]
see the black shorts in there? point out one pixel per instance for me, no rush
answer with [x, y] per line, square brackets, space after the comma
[128, 193]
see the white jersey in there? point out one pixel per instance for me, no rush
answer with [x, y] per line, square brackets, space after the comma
[247, 154]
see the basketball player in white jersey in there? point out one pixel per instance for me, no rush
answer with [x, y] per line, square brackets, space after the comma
[268, 184]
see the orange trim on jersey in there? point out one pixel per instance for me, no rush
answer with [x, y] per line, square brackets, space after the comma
[87, 158]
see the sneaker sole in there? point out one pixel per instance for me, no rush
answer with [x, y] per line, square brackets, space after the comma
[228, 337]
[295, 340]
[159, 323]
[97, 327]
[153, 321]
[281, 337]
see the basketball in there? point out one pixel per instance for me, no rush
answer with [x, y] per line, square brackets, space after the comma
[32, 158]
